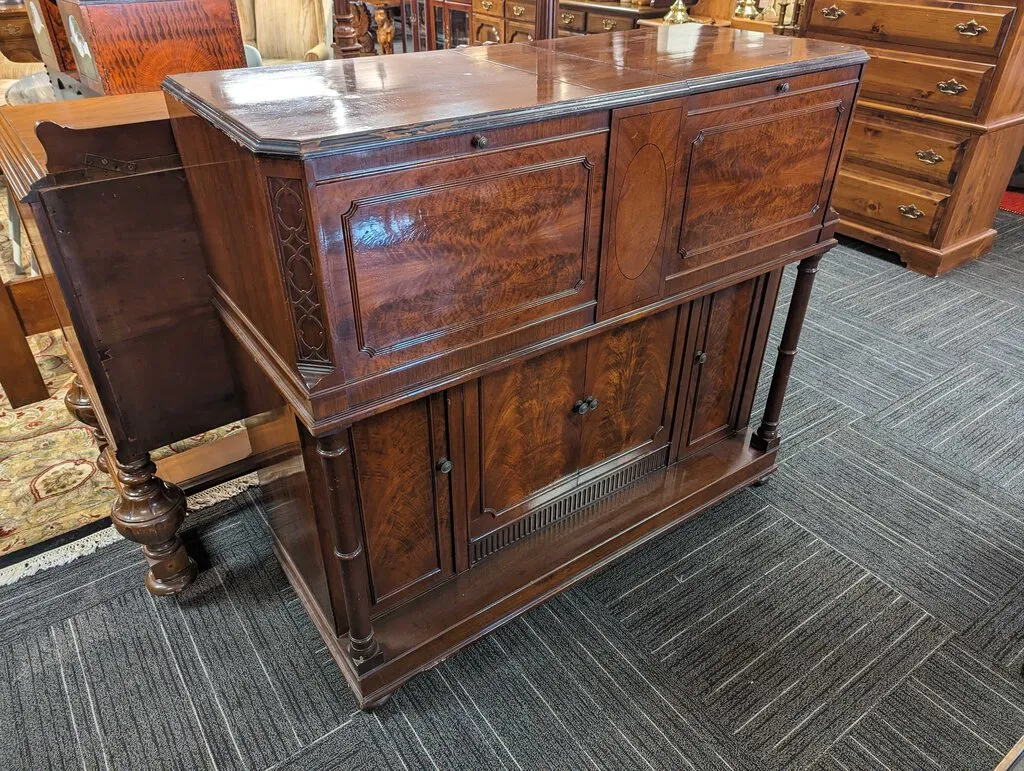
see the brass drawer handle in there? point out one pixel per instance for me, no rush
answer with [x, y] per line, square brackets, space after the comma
[609, 25]
[911, 212]
[568, 18]
[929, 156]
[951, 87]
[833, 12]
[518, 10]
[487, 4]
[971, 28]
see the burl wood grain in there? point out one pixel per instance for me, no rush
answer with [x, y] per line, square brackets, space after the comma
[628, 374]
[529, 435]
[408, 540]
[642, 172]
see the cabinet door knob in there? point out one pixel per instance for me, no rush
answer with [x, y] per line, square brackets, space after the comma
[911, 212]
[444, 465]
[952, 87]
[478, 141]
[971, 28]
[592, 403]
[701, 357]
[929, 156]
[782, 88]
[833, 12]
[581, 407]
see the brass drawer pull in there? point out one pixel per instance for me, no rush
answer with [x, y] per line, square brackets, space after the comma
[518, 10]
[609, 25]
[568, 18]
[833, 12]
[487, 4]
[951, 87]
[971, 28]
[929, 156]
[911, 212]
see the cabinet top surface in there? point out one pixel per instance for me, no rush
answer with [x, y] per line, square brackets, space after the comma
[313, 108]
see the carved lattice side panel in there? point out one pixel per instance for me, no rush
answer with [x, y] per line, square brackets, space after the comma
[299, 276]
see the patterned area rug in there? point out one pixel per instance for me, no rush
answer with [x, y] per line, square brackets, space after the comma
[864, 610]
[49, 483]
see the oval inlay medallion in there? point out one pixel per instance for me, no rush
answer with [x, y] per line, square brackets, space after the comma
[640, 211]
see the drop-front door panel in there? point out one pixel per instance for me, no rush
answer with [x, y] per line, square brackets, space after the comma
[446, 254]
[757, 179]
[404, 498]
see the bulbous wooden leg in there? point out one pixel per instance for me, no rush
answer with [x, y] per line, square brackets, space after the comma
[77, 402]
[150, 511]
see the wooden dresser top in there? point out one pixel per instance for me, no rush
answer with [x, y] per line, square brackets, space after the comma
[314, 108]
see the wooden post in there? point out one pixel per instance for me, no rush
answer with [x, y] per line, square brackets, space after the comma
[767, 436]
[345, 44]
[547, 19]
[77, 402]
[336, 463]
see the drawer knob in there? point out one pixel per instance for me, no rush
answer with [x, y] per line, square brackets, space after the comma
[518, 10]
[833, 12]
[929, 156]
[479, 141]
[782, 88]
[444, 465]
[971, 28]
[592, 402]
[701, 357]
[609, 25]
[952, 87]
[911, 212]
[487, 4]
[581, 407]
[568, 18]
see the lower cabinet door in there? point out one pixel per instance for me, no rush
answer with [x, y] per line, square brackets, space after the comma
[628, 382]
[403, 487]
[727, 333]
[522, 436]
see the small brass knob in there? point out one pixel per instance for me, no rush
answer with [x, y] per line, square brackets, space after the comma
[609, 25]
[581, 407]
[479, 141]
[592, 402]
[782, 88]
[701, 357]
[518, 10]
[444, 465]
[568, 18]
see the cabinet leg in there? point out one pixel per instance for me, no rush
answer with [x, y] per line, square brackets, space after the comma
[363, 648]
[767, 435]
[77, 402]
[150, 511]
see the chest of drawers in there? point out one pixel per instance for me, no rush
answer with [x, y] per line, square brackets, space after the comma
[939, 123]
[517, 335]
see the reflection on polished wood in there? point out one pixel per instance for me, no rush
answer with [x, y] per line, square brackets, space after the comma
[477, 421]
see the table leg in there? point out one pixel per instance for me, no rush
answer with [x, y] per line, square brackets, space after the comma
[77, 402]
[19, 374]
[767, 436]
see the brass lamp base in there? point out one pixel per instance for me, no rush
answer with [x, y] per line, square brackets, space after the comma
[679, 12]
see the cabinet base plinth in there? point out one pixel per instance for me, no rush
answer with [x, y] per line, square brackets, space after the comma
[922, 258]
[422, 632]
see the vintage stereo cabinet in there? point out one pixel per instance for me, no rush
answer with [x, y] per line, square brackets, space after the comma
[520, 331]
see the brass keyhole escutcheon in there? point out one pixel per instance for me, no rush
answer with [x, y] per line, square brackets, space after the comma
[444, 465]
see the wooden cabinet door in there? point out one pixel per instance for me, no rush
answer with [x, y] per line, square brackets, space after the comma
[522, 436]
[727, 332]
[629, 378]
[405, 499]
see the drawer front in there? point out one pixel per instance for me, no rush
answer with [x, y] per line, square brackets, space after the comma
[487, 29]
[597, 23]
[515, 10]
[467, 252]
[863, 196]
[950, 26]
[571, 20]
[926, 153]
[936, 85]
[517, 32]
[488, 7]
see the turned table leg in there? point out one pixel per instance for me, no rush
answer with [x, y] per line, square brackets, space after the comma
[363, 647]
[77, 402]
[767, 435]
[150, 511]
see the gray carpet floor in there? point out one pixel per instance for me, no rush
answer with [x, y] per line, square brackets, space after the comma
[863, 611]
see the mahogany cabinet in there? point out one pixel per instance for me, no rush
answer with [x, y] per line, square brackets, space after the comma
[518, 333]
[448, 24]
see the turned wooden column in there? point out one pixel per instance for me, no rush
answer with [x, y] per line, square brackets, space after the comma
[150, 511]
[78, 404]
[767, 435]
[345, 44]
[547, 20]
[363, 648]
